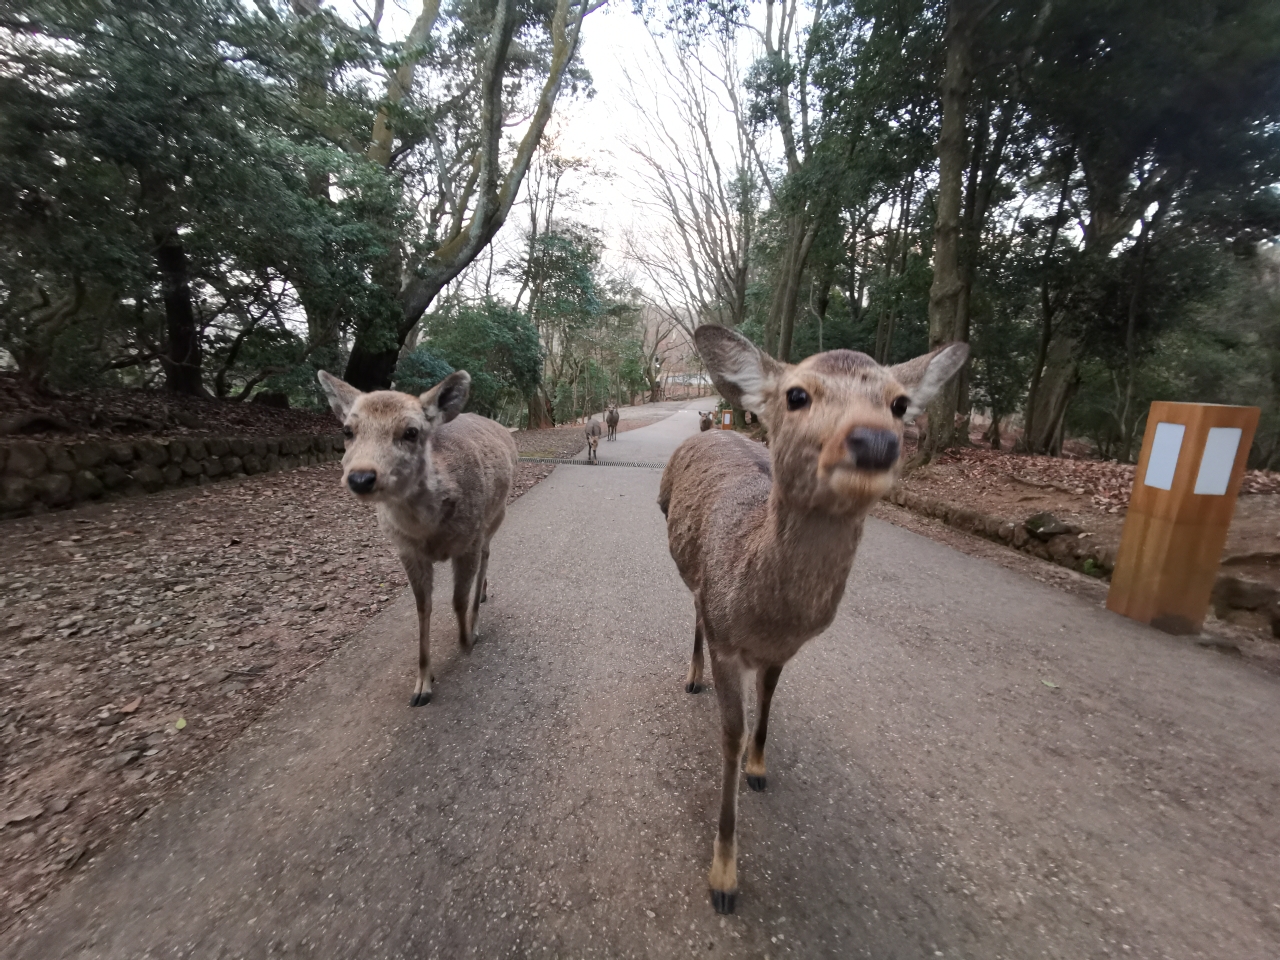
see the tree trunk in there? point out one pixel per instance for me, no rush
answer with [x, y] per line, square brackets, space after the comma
[786, 293]
[540, 413]
[946, 295]
[1058, 384]
[182, 357]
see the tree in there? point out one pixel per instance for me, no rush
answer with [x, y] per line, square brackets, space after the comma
[453, 87]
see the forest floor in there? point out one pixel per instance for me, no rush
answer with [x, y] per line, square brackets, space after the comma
[139, 637]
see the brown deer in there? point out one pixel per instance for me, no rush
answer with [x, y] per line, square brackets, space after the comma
[440, 482]
[593, 439]
[611, 421]
[765, 539]
[705, 423]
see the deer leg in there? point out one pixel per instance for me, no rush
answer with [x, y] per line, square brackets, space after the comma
[420, 578]
[693, 682]
[482, 584]
[723, 876]
[766, 680]
[465, 569]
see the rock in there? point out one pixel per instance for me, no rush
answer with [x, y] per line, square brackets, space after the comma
[319, 605]
[22, 813]
[61, 804]
[192, 468]
[196, 450]
[15, 493]
[59, 459]
[173, 474]
[213, 467]
[111, 719]
[53, 489]
[1238, 593]
[152, 453]
[86, 486]
[231, 465]
[148, 476]
[177, 451]
[113, 476]
[1045, 526]
[26, 459]
[120, 452]
[239, 447]
[218, 447]
[90, 454]
[252, 464]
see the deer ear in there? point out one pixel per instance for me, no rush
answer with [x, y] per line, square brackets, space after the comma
[924, 376]
[342, 395]
[446, 399]
[743, 374]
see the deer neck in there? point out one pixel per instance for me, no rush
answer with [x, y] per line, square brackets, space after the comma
[802, 561]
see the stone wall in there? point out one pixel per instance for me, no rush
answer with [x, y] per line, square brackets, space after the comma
[37, 476]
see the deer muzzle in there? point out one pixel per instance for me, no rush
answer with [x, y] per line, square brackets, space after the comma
[362, 481]
[872, 449]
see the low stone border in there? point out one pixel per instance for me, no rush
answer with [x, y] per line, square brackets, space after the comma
[36, 476]
[1235, 599]
[1069, 548]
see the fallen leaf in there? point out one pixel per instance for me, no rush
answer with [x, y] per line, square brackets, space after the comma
[180, 723]
[1050, 684]
[132, 705]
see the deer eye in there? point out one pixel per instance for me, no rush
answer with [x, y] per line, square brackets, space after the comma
[797, 397]
[899, 407]
[348, 432]
[410, 434]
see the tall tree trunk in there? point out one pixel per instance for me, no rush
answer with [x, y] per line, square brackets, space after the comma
[786, 295]
[946, 295]
[182, 357]
[1058, 384]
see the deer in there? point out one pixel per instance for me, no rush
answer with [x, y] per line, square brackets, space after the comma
[765, 539]
[704, 421]
[611, 421]
[593, 439]
[439, 479]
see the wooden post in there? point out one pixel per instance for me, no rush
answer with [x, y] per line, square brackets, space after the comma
[1184, 494]
[726, 420]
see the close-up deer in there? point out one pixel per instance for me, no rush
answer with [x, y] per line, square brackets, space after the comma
[593, 432]
[765, 538]
[611, 421]
[439, 479]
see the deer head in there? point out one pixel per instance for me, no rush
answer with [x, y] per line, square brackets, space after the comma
[387, 433]
[835, 419]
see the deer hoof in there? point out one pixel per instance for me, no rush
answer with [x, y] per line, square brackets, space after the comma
[754, 782]
[724, 900]
[420, 699]
[692, 687]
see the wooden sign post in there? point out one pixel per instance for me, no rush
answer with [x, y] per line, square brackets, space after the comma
[726, 420]
[1184, 494]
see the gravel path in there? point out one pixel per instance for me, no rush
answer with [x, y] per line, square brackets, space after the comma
[968, 764]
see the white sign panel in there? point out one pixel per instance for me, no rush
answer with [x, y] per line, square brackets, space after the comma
[1218, 460]
[1164, 455]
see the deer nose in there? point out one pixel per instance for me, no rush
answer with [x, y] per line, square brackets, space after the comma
[873, 449]
[362, 481]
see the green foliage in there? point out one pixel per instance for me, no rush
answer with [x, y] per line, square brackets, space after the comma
[419, 370]
[494, 343]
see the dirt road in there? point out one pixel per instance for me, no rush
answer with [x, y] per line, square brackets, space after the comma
[968, 764]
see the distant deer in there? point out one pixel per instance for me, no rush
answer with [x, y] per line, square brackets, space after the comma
[593, 439]
[766, 539]
[705, 423]
[440, 482]
[611, 420]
